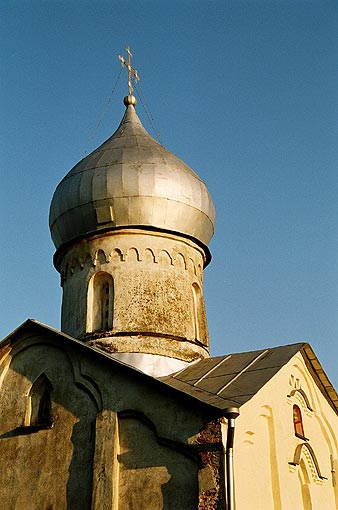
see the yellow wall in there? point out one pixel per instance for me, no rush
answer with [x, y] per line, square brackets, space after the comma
[266, 444]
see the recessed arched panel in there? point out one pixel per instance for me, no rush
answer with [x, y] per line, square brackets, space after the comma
[198, 313]
[304, 482]
[100, 308]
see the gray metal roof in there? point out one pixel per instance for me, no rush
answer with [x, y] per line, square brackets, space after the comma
[232, 380]
[131, 180]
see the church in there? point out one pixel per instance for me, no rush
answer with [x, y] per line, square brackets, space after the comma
[124, 408]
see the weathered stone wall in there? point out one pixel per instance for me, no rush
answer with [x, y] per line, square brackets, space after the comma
[118, 439]
[156, 303]
[45, 468]
[208, 442]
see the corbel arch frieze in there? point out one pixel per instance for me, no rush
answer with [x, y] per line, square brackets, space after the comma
[180, 261]
[116, 255]
[164, 258]
[132, 255]
[99, 257]
[148, 255]
[191, 266]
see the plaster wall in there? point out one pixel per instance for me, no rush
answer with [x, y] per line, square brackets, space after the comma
[157, 305]
[275, 469]
[118, 438]
[45, 468]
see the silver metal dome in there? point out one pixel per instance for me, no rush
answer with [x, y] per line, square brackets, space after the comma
[131, 181]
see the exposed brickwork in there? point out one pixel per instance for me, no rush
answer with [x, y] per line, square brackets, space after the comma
[209, 445]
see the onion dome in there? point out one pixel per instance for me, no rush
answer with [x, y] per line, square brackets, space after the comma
[131, 181]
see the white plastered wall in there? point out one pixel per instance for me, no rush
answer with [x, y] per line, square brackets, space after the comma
[272, 470]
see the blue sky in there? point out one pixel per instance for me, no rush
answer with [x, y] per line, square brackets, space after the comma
[246, 92]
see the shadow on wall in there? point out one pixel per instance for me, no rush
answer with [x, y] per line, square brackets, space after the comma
[49, 459]
[154, 474]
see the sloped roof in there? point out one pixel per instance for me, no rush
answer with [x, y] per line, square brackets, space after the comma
[218, 382]
[232, 380]
[320, 376]
[32, 326]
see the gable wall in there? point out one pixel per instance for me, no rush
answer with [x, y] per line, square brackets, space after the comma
[40, 468]
[266, 446]
[118, 440]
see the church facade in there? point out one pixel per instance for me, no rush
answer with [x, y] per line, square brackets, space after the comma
[125, 408]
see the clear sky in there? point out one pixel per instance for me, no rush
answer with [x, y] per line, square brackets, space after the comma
[244, 91]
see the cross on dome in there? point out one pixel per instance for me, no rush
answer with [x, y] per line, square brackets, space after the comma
[132, 73]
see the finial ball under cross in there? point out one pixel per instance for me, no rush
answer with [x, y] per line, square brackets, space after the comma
[132, 73]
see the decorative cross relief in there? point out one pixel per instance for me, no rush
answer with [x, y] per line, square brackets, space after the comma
[132, 73]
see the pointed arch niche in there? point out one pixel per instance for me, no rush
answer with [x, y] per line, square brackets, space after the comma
[39, 404]
[100, 303]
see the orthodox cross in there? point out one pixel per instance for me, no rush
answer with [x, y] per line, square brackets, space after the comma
[132, 73]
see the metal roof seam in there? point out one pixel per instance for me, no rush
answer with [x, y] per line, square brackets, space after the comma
[204, 393]
[242, 371]
[176, 374]
[211, 370]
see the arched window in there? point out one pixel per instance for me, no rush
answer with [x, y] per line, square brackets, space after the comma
[104, 305]
[40, 402]
[196, 293]
[198, 316]
[100, 302]
[297, 421]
